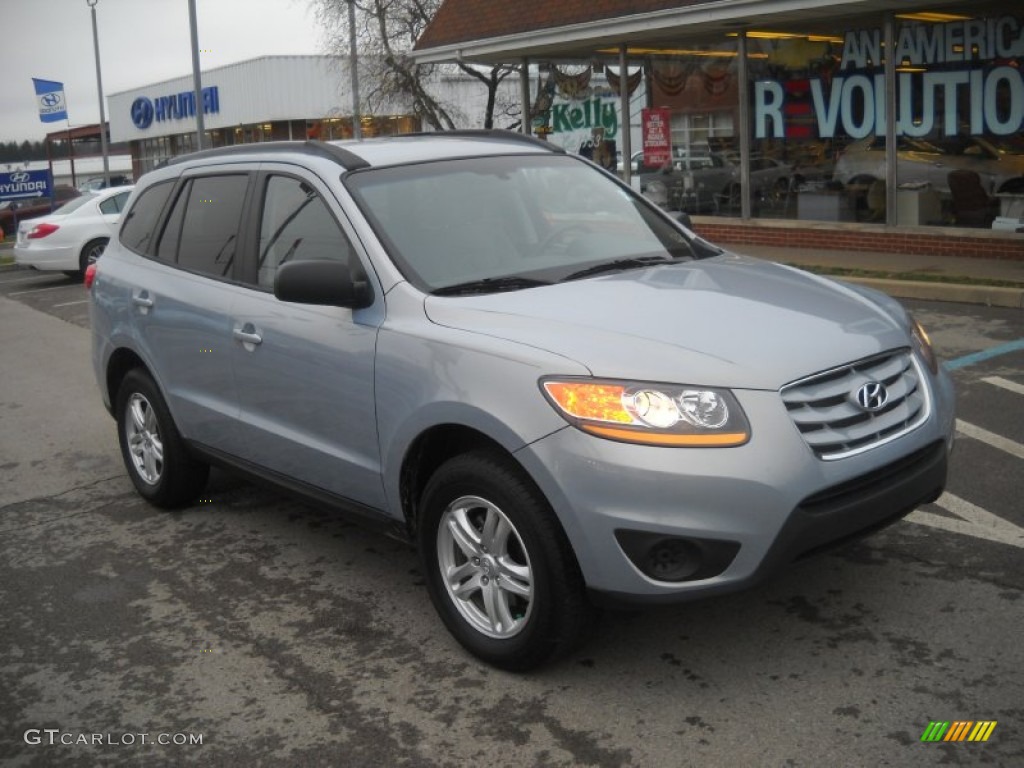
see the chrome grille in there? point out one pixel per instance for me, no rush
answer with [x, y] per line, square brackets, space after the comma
[825, 409]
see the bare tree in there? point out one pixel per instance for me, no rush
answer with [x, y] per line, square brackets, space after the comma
[386, 31]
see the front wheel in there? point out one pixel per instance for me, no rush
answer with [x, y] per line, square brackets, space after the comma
[499, 568]
[154, 454]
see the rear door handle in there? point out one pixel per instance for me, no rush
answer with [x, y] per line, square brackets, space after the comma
[142, 300]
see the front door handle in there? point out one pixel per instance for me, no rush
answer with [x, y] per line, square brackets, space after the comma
[248, 335]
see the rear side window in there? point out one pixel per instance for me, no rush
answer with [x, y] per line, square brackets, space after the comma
[139, 224]
[296, 225]
[114, 204]
[202, 230]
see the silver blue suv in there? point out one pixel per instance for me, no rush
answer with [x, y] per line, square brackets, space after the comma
[503, 354]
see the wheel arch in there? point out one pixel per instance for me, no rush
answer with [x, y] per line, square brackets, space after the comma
[432, 448]
[121, 362]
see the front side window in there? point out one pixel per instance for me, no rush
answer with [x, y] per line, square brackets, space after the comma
[202, 230]
[296, 225]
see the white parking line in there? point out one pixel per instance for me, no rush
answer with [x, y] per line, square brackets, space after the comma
[28, 279]
[999, 381]
[972, 521]
[991, 438]
[70, 303]
[40, 290]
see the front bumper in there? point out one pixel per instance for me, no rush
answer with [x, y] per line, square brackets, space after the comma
[747, 511]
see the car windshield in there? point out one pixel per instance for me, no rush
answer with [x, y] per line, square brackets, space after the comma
[510, 222]
[75, 204]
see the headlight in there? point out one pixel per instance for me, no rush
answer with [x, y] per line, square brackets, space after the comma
[923, 345]
[653, 414]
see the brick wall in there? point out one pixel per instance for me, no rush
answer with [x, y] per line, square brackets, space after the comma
[863, 237]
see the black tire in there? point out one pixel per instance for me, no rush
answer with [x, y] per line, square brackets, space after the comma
[557, 614]
[143, 421]
[90, 252]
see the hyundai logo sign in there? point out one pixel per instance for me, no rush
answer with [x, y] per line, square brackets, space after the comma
[50, 99]
[142, 113]
[872, 396]
[19, 177]
[176, 106]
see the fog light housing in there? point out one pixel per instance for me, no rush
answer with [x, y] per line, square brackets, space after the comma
[676, 559]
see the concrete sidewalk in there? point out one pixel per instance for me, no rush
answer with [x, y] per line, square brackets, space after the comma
[907, 271]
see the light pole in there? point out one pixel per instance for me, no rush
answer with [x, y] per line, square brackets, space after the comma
[197, 81]
[99, 87]
[353, 60]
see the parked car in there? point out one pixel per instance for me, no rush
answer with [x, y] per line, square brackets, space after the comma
[711, 183]
[499, 352]
[20, 210]
[73, 236]
[999, 163]
[98, 182]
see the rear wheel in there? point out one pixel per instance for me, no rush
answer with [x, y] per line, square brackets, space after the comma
[154, 454]
[499, 568]
[92, 251]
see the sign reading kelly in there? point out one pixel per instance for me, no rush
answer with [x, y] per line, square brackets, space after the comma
[968, 78]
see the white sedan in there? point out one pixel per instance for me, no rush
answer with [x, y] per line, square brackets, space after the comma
[74, 235]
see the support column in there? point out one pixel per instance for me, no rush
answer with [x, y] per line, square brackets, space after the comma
[524, 94]
[890, 120]
[626, 145]
[744, 95]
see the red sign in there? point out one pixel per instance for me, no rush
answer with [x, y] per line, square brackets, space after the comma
[657, 137]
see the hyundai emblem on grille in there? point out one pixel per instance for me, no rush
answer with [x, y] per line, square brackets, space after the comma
[872, 396]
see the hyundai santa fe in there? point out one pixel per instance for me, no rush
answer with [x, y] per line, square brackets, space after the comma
[499, 352]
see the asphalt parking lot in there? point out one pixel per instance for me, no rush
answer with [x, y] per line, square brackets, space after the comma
[279, 634]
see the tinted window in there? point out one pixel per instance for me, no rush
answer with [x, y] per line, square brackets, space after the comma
[209, 210]
[167, 250]
[139, 223]
[296, 225]
[114, 204]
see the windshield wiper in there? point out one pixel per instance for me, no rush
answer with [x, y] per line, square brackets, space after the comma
[490, 285]
[620, 264]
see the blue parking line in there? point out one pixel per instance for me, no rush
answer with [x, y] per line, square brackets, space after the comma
[985, 354]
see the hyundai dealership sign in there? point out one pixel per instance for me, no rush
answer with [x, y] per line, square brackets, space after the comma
[176, 106]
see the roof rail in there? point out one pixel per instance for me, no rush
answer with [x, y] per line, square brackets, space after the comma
[500, 134]
[343, 157]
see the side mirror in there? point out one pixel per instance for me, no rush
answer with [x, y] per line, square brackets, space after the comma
[684, 219]
[326, 283]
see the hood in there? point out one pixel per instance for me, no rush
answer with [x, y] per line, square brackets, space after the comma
[728, 321]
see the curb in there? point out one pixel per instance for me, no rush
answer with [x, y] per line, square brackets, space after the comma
[986, 295]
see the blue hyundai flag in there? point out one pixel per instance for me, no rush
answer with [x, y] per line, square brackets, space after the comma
[50, 95]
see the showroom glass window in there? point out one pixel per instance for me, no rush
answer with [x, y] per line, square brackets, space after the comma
[818, 104]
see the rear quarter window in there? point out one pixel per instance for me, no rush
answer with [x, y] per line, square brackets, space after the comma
[140, 222]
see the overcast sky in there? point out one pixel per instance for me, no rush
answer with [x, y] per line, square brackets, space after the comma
[141, 42]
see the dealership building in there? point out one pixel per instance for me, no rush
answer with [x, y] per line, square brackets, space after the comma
[793, 98]
[271, 98]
